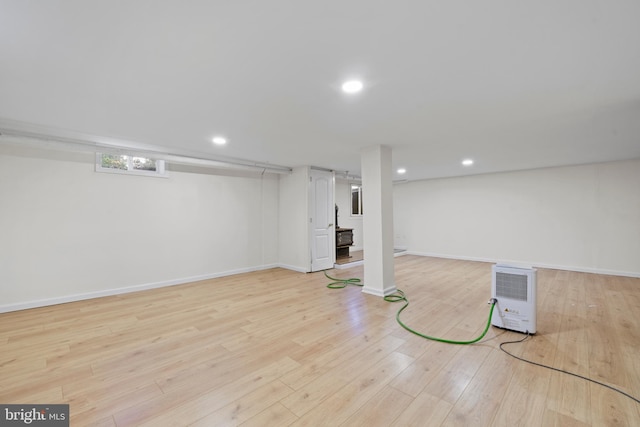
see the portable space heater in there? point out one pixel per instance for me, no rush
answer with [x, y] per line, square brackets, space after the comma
[515, 290]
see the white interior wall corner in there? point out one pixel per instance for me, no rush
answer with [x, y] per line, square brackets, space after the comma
[293, 226]
[69, 231]
[584, 218]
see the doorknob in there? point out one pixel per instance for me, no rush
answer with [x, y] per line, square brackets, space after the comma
[330, 225]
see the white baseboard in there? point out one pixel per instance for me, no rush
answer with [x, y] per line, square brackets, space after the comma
[348, 265]
[535, 264]
[125, 290]
[294, 268]
[361, 262]
[386, 291]
[136, 288]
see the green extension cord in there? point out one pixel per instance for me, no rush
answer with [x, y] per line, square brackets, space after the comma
[341, 283]
[399, 296]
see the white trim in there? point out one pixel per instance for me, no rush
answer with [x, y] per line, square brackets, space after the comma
[348, 265]
[118, 291]
[314, 230]
[48, 137]
[386, 291]
[535, 264]
[294, 268]
[351, 214]
[361, 262]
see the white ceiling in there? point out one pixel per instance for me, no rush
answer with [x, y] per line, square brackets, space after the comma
[513, 85]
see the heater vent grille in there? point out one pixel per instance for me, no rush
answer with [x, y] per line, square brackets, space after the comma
[513, 286]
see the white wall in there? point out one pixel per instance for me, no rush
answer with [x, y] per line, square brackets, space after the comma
[67, 232]
[584, 218]
[345, 220]
[293, 237]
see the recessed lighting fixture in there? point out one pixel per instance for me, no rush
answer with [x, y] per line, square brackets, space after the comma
[402, 171]
[352, 86]
[467, 162]
[219, 140]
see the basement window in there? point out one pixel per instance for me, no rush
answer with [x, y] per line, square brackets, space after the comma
[125, 164]
[356, 199]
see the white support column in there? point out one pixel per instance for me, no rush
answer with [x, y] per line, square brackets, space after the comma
[377, 198]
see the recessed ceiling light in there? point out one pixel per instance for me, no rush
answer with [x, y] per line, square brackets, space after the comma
[467, 162]
[402, 171]
[352, 86]
[219, 140]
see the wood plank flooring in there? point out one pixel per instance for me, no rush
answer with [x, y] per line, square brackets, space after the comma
[277, 348]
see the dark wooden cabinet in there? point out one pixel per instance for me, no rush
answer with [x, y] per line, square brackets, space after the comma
[344, 239]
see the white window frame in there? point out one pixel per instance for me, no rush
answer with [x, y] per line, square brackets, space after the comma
[359, 191]
[160, 171]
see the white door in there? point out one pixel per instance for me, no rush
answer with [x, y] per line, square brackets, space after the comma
[321, 223]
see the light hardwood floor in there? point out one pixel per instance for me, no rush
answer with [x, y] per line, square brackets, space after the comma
[277, 348]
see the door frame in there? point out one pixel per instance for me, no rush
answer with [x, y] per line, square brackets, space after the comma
[315, 173]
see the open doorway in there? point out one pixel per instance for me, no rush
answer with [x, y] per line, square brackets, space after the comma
[348, 193]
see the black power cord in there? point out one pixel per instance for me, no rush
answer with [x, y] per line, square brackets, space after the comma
[400, 296]
[562, 370]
